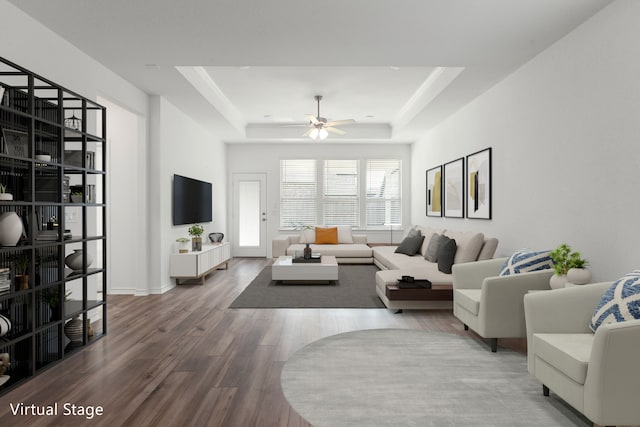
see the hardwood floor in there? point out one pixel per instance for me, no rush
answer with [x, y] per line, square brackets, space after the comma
[184, 358]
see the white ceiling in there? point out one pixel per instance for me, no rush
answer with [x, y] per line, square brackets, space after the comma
[249, 69]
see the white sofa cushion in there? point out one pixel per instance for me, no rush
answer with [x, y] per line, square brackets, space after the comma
[568, 353]
[344, 234]
[308, 235]
[469, 244]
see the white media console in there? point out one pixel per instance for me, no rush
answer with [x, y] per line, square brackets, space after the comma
[196, 265]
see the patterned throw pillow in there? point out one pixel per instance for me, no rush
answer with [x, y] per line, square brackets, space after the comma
[524, 261]
[620, 303]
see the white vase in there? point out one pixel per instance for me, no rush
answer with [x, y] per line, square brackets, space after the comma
[74, 260]
[558, 281]
[579, 276]
[7, 197]
[10, 229]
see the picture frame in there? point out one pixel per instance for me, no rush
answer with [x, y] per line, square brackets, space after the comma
[453, 189]
[479, 184]
[434, 191]
[16, 143]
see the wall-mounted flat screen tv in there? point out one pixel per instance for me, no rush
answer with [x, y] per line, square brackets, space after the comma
[192, 200]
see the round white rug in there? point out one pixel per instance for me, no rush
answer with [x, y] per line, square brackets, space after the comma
[400, 377]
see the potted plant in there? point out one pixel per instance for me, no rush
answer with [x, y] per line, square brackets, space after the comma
[76, 197]
[182, 245]
[4, 195]
[51, 297]
[578, 273]
[21, 266]
[196, 231]
[563, 261]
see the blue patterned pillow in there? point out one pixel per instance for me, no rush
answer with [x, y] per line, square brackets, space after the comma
[620, 303]
[524, 261]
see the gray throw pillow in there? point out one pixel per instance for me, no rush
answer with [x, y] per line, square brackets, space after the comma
[432, 250]
[410, 245]
[446, 255]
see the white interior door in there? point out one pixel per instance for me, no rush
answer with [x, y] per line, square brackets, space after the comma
[250, 214]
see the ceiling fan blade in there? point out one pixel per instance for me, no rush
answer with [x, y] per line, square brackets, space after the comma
[307, 133]
[312, 118]
[340, 122]
[335, 130]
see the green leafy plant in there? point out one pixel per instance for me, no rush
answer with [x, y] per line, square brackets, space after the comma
[21, 264]
[196, 230]
[3, 188]
[51, 296]
[564, 259]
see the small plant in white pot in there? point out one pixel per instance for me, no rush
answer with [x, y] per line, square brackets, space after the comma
[183, 247]
[564, 260]
[4, 195]
[195, 231]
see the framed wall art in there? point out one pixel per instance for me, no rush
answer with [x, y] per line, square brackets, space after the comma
[453, 189]
[479, 184]
[16, 143]
[434, 191]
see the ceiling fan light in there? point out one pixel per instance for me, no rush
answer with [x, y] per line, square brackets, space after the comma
[314, 134]
[323, 134]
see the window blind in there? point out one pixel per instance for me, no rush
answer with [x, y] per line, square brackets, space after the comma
[298, 193]
[341, 201]
[383, 199]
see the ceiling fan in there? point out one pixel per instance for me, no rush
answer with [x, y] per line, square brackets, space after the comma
[319, 127]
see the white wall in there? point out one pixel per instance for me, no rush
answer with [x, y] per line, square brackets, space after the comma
[566, 152]
[247, 158]
[45, 53]
[178, 145]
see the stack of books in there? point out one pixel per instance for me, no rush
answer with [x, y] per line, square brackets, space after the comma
[52, 235]
[5, 280]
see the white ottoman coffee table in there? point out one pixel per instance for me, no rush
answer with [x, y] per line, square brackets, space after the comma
[287, 271]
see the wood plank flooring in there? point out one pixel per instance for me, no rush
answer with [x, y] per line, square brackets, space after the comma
[184, 358]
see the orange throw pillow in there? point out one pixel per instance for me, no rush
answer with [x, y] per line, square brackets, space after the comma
[327, 236]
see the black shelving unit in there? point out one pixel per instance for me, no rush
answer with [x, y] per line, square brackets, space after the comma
[52, 160]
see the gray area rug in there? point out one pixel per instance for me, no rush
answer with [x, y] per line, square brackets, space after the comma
[399, 377]
[355, 288]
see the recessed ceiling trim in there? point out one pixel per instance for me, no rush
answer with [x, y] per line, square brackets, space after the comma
[379, 131]
[203, 82]
[433, 85]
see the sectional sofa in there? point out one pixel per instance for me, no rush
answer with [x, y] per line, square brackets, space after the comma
[471, 246]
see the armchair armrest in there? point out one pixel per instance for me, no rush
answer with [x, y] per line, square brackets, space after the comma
[502, 308]
[613, 376]
[469, 275]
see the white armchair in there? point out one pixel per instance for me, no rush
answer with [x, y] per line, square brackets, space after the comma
[597, 373]
[492, 305]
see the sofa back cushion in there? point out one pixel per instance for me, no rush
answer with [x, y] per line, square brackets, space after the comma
[344, 234]
[307, 235]
[488, 248]
[620, 303]
[326, 235]
[469, 244]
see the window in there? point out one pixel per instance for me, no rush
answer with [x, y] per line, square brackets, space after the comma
[332, 192]
[298, 193]
[383, 192]
[340, 201]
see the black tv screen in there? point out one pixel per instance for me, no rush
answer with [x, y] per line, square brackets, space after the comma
[192, 200]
